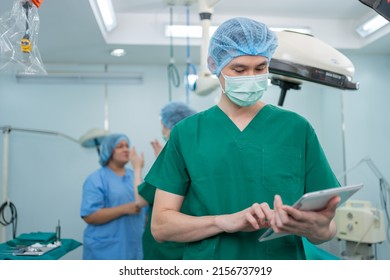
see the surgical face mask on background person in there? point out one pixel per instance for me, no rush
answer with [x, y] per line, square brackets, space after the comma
[245, 90]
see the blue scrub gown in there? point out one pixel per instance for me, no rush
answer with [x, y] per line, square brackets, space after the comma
[120, 239]
[221, 170]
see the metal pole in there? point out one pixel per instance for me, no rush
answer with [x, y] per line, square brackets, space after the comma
[343, 140]
[106, 126]
[6, 131]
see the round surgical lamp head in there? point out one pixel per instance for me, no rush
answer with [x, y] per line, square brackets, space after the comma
[304, 57]
[93, 138]
[206, 84]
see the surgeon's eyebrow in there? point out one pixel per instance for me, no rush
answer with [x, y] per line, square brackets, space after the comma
[237, 65]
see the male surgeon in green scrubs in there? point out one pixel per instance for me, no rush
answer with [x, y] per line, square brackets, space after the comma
[241, 163]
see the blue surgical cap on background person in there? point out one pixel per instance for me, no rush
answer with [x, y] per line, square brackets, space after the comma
[239, 36]
[108, 145]
[174, 112]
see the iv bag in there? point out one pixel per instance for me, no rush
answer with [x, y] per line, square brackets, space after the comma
[19, 52]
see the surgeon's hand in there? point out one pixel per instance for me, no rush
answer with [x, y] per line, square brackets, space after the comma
[317, 226]
[250, 219]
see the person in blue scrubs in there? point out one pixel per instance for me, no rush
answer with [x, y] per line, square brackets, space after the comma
[171, 114]
[115, 222]
[238, 165]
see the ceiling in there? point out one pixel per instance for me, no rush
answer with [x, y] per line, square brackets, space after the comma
[69, 33]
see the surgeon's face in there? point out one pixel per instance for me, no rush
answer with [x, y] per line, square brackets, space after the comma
[121, 153]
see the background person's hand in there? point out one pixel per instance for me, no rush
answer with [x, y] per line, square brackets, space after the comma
[137, 160]
[157, 147]
[132, 208]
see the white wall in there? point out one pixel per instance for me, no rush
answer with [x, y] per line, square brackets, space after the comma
[46, 172]
[368, 131]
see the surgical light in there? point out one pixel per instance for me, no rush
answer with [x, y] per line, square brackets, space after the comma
[107, 13]
[371, 26]
[304, 57]
[382, 7]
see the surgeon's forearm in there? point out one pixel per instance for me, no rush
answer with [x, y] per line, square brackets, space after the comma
[170, 225]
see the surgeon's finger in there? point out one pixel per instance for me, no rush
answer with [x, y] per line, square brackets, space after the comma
[263, 213]
[252, 221]
[281, 216]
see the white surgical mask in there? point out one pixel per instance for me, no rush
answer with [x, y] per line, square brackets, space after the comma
[245, 90]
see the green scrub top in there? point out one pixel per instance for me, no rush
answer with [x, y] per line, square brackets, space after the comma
[154, 250]
[222, 170]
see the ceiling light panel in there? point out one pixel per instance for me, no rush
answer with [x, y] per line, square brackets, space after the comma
[371, 26]
[107, 13]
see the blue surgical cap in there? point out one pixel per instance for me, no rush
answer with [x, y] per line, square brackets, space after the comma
[174, 112]
[108, 145]
[237, 37]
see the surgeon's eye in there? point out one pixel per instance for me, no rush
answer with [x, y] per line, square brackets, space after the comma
[261, 67]
[239, 70]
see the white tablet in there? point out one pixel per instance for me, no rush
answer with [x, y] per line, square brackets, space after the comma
[315, 201]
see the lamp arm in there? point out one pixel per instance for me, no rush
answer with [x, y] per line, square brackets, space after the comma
[350, 169]
[377, 173]
[9, 129]
[373, 168]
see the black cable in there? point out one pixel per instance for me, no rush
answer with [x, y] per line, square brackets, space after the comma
[384, 192]
[173, 72]
[12, 220]
[190, 67]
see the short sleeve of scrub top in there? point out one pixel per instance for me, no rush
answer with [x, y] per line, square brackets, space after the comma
[147, 191]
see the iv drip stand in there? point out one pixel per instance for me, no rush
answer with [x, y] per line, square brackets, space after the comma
[6, 131]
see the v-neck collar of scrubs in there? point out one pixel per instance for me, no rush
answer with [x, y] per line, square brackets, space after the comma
[241, 137]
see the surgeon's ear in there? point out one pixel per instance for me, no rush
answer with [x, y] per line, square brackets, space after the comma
[211, 64]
